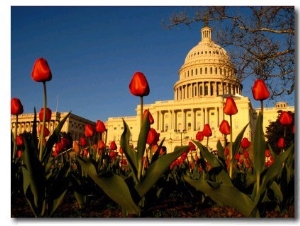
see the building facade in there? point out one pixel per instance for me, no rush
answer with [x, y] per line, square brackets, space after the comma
[206, 78]
[73, 125]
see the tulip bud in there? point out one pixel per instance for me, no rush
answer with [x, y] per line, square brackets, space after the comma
[100, 127]
[224, 127]
[46, 131]
[285, 118]
[47, 116]
[192, 146]
[19, 140]
[267, 153]
[88, 130]
[16, 106]
[113, 146]
[260, 90]
[207, 131]
[41, 71]
[199, 136]
[101, 145]
[138, 85]
[230, 107]
[245, 143]
[82, 141]
[152, 137]
[281, 142]
[151, 120]
[246, 154]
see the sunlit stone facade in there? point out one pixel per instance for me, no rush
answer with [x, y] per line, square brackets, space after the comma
[206, 78]
[74, 123]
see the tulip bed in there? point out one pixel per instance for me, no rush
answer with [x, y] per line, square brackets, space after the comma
[59, 177]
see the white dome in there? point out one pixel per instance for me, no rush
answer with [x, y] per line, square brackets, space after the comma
[206, 72]
[206, 50]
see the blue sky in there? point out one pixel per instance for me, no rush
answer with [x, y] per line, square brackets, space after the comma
[93, 53]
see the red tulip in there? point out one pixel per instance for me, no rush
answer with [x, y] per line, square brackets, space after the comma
[59, 147]
[246, 154]
[19, 140]
[224, 127]
[267, 153]
[88, 130]
[46, 131]
[19, 153]
[260, 90]
[16, 106]
[150, 117]
[207, 131]
[226, 151]
[64, 142]
[199, 136]
[113, 146]
[270, 161]
[113, 154]
[152, 137]
[41, 71]
[82, 141]
[100, 127]
[192, 146]
[48, 114]
[121, 151]
[139, 85]
[230, 107]
[245, 143]
[237, 156]
[281, 142]
[101, 145]
[285, 118]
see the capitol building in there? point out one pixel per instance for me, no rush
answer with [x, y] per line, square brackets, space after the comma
[206, 78]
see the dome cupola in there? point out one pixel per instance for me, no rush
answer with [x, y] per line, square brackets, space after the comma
[207, 71]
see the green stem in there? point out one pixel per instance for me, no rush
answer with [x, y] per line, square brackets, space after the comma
[257, 183]
[207, 142]
[230, 149]
[44, 120]
[142, 103]
[15, 138]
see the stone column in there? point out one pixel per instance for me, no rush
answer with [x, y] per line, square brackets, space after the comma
[183, 119]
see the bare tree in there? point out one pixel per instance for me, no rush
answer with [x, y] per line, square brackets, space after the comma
[259, 39]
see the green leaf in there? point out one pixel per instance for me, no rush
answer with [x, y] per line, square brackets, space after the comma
[57, 202]
[277, 192]
[33, 175]
[226, 194]
[156, 169]
[275, 169]
[259, 146]
[114, 186]
[211, 158]
[130, 154]
[141, 144]
[220, 149]
[237, 143]
[53, 139]
[81, 199]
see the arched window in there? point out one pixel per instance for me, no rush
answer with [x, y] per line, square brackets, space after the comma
[206, 70]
